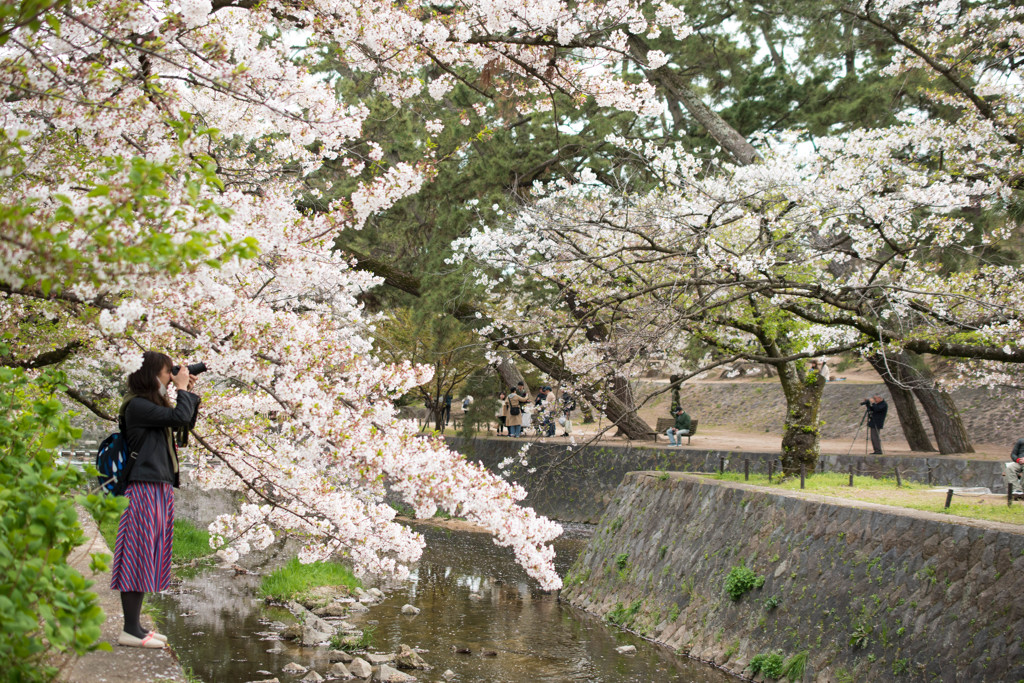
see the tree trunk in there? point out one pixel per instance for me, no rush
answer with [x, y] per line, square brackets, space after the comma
[801, 438]
[625, 417]
[950, 433]
[624, 392]
[674, 382]
[903, 401]
[509, 373]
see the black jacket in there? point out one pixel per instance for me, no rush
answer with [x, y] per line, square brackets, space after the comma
[147, 429]
[1018, 450]
[877, 417]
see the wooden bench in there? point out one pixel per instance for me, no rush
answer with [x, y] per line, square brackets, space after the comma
[665, 422]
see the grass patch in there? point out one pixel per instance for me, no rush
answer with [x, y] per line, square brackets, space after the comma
[190, 542]
[294, 579]
[353, 643]
[912, 496]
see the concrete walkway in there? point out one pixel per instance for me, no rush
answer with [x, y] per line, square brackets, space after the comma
[122, 664]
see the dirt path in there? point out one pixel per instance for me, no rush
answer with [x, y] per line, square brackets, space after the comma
[121, 664]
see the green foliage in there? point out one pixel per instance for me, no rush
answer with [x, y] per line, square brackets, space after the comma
[190, 542]
[900, 667]
[45, 604]
[673, 613]
[740, 580]
[624, 616]
[621, 560]
[771, 603]
[860, 637]
[769, 664]
[441, 342]
[294, 578]
[794, 667]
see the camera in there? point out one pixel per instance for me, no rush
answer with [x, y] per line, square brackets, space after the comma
[193, 368]
[865, 402]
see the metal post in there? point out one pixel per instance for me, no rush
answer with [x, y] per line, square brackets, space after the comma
[1009, 495]
[949, 498]
[802, 467]
[746, 469]
[721, 464]
[899, 482]
[851, 476]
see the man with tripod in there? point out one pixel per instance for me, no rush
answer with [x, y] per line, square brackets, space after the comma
[876, 410]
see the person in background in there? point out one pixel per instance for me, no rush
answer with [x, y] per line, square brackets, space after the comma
[877, 408]
[824, 370]
[466, 403]
[1013, 469]
[516, 400]
[568, 405]
[446, 410]
[545, 414]
[502, 413]
[680, 429]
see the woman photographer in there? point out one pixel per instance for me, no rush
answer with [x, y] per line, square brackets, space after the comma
[142, 553]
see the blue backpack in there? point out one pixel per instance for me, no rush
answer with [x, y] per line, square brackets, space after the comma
[114, 463]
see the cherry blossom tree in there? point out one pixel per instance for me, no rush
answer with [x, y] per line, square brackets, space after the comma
[797, 251]
[154, 173]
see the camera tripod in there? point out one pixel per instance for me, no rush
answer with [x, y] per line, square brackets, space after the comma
[857, 433]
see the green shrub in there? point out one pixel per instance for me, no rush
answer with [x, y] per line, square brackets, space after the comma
[621, 560]
[45, 604]
[740, 580]
[294, 578]
[860, 638]
[624, 616]
[768, 663]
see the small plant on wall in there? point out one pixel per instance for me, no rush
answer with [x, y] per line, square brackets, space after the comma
[768, 664]
[740, 580]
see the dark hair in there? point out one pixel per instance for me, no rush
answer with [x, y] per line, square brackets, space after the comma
[143, 381]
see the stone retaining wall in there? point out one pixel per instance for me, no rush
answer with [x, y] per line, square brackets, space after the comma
[576, 485]
[870, 593]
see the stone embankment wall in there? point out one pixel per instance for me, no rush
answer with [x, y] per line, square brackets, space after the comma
[575, 485]
[869, 593]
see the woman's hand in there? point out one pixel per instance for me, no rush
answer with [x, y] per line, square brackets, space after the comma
[181, 380]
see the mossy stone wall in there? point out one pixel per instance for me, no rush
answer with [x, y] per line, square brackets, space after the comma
[867, 592]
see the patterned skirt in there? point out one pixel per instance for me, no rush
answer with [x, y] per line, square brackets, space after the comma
[142, 553]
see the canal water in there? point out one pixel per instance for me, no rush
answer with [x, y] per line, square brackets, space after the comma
[480, 616]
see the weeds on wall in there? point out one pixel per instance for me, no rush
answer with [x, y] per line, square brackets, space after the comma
[740, 580]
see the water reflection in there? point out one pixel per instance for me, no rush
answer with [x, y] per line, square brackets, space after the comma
[472, 596]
